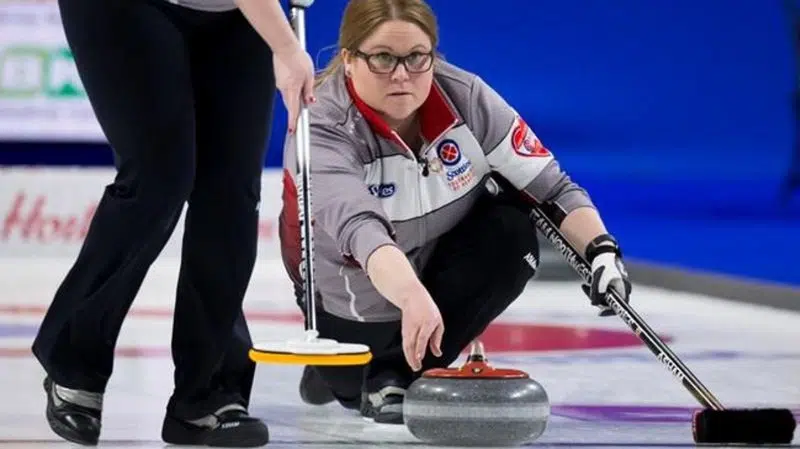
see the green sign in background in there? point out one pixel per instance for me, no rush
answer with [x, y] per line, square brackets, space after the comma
[35, 71]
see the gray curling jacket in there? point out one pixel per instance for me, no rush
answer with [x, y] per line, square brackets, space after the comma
[369, 189]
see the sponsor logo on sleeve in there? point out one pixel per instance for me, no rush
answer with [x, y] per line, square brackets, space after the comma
[525, 143]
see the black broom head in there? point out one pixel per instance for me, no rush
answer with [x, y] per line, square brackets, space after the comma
[757, 426]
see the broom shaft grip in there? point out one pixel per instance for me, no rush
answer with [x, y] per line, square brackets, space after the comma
[626, 312]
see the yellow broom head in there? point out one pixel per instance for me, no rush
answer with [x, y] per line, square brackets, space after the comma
[310, 350]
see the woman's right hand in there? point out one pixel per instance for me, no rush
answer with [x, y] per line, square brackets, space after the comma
[294, 77]
[422, 327]
[293, 67]
[393, 276]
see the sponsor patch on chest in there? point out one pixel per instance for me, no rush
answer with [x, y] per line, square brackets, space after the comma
[383, 190]
[457, 168]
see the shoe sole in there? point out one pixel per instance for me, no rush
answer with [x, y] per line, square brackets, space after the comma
[255, 434]
[252, 438]
[389, 418]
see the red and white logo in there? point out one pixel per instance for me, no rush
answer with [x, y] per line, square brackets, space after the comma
[525, 143]
[449, 153]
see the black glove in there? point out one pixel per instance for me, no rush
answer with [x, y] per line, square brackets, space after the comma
[608, 272]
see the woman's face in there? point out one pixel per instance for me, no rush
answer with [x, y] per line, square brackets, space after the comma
[393, 86]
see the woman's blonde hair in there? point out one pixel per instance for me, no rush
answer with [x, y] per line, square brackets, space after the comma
[362, 17]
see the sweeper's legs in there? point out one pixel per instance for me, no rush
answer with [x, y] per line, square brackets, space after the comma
[188, 120]
[142, 99]
[477, 270]
[234, 94]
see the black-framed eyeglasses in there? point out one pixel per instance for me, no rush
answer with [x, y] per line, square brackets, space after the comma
[385, 63]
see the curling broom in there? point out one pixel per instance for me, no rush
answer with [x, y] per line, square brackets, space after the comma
[310, 350]
[714, 424]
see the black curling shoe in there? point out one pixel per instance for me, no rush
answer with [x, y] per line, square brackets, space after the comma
[313, 390]
[74, 415]
[384, 406]
[229, 426]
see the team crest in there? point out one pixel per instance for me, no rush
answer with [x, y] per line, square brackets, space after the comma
[525, 143]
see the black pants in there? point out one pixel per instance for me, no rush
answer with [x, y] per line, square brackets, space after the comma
[477, 270]
[185, 99]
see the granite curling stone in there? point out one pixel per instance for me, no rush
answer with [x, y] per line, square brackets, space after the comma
[476, 405]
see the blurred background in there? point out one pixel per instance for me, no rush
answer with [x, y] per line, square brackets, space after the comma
[678, 116]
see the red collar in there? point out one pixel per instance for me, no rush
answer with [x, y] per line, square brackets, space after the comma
[437, 116]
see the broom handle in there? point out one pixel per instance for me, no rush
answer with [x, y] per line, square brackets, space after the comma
[303, 154]
[626, 313]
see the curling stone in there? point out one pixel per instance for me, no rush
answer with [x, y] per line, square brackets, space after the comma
[476, 405]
